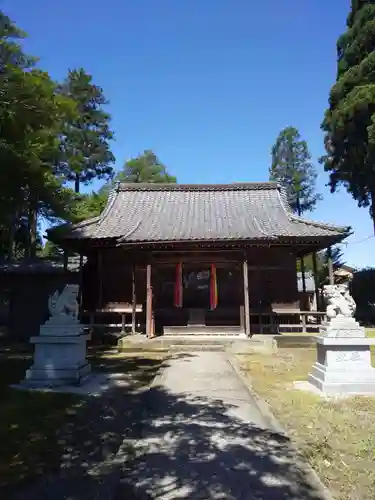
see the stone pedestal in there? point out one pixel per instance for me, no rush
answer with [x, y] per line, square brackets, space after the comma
[59, 354]
[343, 363]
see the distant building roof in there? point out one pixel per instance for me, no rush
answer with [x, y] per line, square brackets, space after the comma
[40, 265]
[154, 213]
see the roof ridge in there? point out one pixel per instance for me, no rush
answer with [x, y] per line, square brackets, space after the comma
[235, 186]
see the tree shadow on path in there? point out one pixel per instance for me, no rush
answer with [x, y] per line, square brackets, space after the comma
[135, 443]
[193, 447]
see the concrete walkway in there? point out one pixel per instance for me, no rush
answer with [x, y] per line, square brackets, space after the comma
[205, 438]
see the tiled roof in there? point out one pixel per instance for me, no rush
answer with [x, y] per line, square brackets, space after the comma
[178, 212]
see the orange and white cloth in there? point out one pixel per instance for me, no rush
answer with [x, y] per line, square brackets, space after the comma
[213, 288]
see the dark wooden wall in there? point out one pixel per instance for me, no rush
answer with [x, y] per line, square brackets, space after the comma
[27, 297]
[272, 276]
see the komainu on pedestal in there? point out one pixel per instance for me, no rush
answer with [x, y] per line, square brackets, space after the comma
[60, 349]
[343, 363]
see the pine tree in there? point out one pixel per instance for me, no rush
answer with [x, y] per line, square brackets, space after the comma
[349, 123]
[293, 169]
[86, 139]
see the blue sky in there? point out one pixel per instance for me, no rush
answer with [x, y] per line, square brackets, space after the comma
[206, 84]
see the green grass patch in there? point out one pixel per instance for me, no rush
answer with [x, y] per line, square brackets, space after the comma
[336, 437]
[28, 424]
[31, 421]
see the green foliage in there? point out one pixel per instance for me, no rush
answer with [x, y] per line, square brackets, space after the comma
[86, 137]
[322, 264]
[88, 206]
[31, 118]
[292, 167]
[349, 123]
[145, 168]
[50, 134]
[11, 53]
[51, 250]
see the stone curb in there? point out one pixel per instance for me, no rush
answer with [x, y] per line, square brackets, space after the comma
[276, 427]
[263, 407]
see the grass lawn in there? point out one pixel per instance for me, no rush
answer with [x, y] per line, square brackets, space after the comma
[336, 437]
[30, 421]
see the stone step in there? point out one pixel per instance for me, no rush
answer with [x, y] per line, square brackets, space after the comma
[179, 343]
[201, 330]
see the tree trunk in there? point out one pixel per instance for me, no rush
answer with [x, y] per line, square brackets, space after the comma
[33, 226]
[373, 209]
[12, 233]
[76, 184]
[298, 205]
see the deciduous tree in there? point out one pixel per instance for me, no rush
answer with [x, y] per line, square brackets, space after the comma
[145, 168]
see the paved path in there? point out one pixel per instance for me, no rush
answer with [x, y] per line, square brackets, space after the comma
[205, 438]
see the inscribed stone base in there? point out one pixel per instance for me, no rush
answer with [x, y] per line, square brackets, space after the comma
[58, 361]
[343, 366]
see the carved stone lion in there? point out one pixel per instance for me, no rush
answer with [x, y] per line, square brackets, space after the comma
[340, 304]
[64, 304]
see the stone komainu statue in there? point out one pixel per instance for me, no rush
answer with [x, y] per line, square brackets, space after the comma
[64, 303]
[340, 304]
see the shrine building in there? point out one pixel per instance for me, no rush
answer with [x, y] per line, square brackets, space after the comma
[192, 259]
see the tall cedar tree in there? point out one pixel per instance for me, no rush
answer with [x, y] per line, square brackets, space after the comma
[86, 140]
[292, 167]
[349, 123]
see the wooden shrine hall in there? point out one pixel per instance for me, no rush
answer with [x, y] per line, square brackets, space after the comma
[171, 258]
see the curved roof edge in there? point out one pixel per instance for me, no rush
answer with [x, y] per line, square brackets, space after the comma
[319, 224]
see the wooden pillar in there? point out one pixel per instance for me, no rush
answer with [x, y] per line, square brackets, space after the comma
[100, 279]
[242, 318]
[303, 275]
[148, 301]
[80, 285]
[330, 266]
[315, 270]
[65, 260]
[134, 300]
[246, 297]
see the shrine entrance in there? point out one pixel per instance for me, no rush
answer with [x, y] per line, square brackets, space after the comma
[196, 287]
